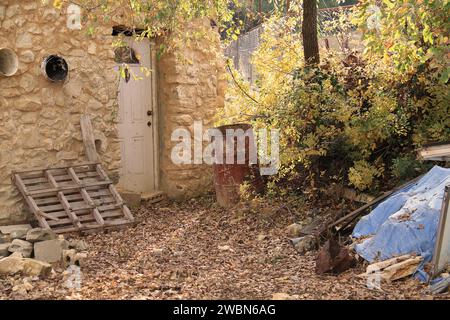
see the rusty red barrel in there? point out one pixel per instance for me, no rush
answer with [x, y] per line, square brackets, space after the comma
[238, 167]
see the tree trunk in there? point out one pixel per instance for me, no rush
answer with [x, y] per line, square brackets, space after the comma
[309, 32]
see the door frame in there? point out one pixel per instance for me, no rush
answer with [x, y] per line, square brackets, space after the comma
[155, 109]
[155, 102]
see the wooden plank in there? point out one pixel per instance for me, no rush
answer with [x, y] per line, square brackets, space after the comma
[441, 256]
[30, 201]
[57, 167]
[87, 198]
[72, 216]
[46, 204]
[92, 229]
[115, 194]
[67, 188]
[88, 138]
[45, 215]
[28, 182]
[57, 172]
[88, 217]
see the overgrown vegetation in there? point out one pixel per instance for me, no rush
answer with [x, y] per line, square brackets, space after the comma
[358, 117]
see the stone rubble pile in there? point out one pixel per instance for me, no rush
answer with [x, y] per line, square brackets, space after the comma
[32, 251]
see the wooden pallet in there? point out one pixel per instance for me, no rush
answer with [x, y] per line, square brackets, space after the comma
[78, 198]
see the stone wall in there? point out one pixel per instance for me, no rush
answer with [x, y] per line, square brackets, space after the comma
[192, 87]
[39, 120]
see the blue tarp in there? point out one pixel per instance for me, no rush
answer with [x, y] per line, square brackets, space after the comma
[406, 222]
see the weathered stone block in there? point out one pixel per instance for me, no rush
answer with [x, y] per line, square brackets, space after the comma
[29, 267]
[24, 247]
[79, 245]
[132, 199]
[39, 234]
[50, 250]
[18, 234]
[11, 228]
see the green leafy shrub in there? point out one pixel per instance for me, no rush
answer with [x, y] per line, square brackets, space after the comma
[355, 118]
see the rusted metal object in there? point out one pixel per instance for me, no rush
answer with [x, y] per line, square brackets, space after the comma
[230, 175]
[334, 259]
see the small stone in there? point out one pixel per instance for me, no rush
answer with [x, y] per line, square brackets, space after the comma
[27, 56]
[92, 48]
[68, 257]
[39, 234]
[18, 234]
[294, 230]
[158, 251]
[4, 249]
[79, 245]
[11, 228]
[261, 237]
[24, 41]
[281, 296]
[28, 83]
[305, 244]
[225, 248]
[2, 12]
[72, 258]
[50, 250]
[27, 285]
[67, 155]
[24, 247]
[19, 290]
[132, 199]
[80, 259]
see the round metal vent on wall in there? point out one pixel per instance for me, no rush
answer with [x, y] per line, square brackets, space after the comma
[55, 68]
[9, 63]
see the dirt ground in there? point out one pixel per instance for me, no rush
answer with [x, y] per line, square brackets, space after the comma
[196, 250]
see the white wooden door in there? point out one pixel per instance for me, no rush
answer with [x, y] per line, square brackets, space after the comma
[136, 122]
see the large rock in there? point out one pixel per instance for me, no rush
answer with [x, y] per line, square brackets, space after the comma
[39, 234]
[28, 267]
[50, 251]
[24, 247]
[4, 249]
[16, 227]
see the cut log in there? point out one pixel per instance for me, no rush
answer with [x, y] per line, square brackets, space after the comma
[378, 266]
[401, 270]
[395, 268]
